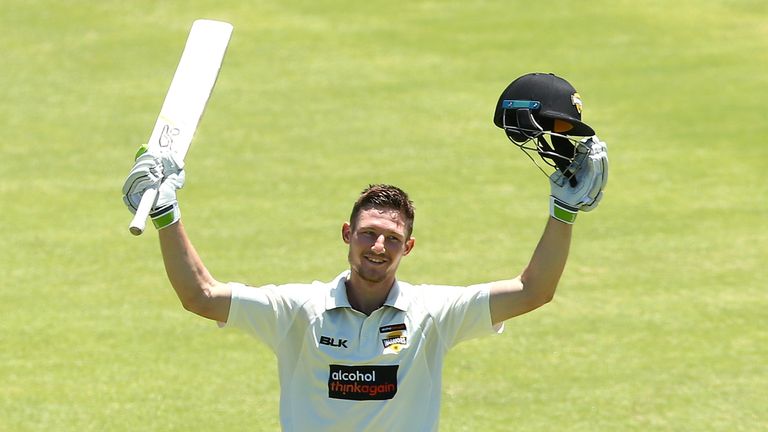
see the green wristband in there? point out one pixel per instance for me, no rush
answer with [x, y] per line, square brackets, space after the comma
[166, 216]
[562, 211]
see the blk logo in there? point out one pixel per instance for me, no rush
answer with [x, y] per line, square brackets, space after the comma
[338, 343]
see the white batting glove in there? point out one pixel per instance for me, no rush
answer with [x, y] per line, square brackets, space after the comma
[590, 170]
[163, 171]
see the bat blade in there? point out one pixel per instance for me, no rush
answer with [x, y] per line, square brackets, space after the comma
[186, 99]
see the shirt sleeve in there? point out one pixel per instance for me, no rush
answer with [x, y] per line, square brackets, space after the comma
[464, 314]
[256, 311]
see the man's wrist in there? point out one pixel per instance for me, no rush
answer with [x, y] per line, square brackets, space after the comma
[562, 211]
[166, 216]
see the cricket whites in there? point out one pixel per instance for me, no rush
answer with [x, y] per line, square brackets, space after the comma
[185, 101]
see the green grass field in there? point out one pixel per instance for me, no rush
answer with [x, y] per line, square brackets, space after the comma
[659, 323]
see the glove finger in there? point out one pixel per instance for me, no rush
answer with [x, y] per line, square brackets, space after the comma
[600, 179]
[591, 206]
[167, 193]
[132, 207]
[589, 178]
[175, 180]
[139, 182]
[593, 175]
[146, 172]
[133, 199]
[604, 162]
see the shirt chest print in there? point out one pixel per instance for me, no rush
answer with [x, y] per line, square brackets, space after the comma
[394, 338]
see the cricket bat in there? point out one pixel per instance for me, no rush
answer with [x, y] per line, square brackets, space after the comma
[185, 101]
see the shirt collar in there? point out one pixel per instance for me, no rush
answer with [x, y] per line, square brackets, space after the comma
[337, 295]
[396, 298]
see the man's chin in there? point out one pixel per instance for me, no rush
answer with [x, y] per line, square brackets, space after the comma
[372, 276]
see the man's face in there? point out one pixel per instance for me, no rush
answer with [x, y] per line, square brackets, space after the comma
[377, 244]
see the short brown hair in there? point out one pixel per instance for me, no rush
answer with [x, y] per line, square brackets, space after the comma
[384, 196]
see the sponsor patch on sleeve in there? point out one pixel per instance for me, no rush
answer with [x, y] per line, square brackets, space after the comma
[361, 383]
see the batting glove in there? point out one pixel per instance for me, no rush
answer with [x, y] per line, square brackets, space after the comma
[164, 171]
[589, 169]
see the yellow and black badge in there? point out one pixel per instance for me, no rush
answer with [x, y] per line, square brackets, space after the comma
[395, 338]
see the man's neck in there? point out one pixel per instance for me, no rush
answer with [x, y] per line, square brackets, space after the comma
[365, 296]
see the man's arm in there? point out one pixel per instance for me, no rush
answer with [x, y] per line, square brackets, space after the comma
[198, 291]
[535, 286]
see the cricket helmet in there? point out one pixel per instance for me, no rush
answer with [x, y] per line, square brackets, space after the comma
[537, 106]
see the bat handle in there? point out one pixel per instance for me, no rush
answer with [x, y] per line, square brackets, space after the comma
[139, 221]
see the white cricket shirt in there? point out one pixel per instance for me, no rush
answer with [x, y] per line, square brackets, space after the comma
[341, 370]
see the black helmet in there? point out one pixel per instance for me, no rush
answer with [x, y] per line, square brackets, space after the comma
[539, 104]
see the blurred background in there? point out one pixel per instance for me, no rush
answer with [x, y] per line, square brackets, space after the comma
[659, 321]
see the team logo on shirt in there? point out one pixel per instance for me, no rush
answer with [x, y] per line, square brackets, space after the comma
[395, 338]
[361, 383]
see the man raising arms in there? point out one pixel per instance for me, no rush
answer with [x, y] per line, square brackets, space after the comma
[365, 351]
